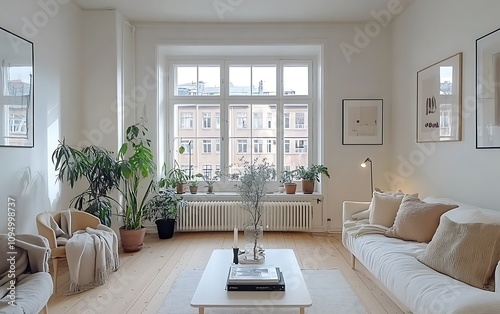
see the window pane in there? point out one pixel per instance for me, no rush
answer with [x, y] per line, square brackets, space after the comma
[258, 114]
[264, 80]
[296, 152]
[185, 80]
[239, 120]
[296, 80]
[296, 120]
[209, 80]
[201, 134]
[239, 80]
[197, 81]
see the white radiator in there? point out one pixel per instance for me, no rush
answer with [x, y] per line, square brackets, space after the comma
[226, 215]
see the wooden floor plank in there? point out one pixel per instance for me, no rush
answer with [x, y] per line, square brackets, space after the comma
[145, 277]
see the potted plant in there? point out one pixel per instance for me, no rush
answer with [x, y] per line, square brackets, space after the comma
[101, 170]
[174, 178]
[162, 208]
[210, 182]
[287, 177]
[310, 175]
[137, 168]
[193, 183]
[252, 188]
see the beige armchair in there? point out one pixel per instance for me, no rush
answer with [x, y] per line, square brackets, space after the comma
[55, 235]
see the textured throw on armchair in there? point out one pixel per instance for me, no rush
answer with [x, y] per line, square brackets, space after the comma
[91, 255]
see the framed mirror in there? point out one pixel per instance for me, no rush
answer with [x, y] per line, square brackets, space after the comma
[16, 90]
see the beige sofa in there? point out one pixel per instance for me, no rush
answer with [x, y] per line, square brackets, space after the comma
[412, 285]
[25, 282]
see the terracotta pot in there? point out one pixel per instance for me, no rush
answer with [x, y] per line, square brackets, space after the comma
[180, 188]
[290, 188]
[132, 240]
[193, 189]
[308, 186]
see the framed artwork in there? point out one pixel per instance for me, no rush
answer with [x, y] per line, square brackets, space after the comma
[488, 90]
[362, 122]
[439, 101]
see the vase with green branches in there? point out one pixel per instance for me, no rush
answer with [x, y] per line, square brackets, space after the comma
[254, 178]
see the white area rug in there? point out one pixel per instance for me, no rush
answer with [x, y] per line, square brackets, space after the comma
[329, 291]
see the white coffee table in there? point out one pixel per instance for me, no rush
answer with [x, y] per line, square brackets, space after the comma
[211, 290]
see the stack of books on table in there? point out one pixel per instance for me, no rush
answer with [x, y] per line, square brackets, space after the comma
[255, 278]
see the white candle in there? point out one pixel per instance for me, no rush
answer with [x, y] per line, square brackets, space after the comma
[235, 244]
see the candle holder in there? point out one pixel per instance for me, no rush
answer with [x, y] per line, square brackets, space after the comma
[235, 255]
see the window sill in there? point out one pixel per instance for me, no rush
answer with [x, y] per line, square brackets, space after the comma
[232, 196]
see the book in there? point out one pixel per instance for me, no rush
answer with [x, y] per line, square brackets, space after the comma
[263, 286]
[253, 274]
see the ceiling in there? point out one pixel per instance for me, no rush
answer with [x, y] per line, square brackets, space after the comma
[250, 11]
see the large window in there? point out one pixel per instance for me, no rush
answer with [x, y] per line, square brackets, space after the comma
[260, 110]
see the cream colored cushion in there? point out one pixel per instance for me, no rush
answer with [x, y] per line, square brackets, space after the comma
[468, 252]
[384, 207]
[417, 220]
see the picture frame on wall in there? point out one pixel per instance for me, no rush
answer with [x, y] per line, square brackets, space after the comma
[488, 90]
[439, 101]
[362, 122]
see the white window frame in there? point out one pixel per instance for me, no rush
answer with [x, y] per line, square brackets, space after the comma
[225, 100]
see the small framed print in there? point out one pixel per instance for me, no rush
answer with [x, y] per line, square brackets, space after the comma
[362, 122]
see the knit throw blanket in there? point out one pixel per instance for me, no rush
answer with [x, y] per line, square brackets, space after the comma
[91, 255]
[362, 227]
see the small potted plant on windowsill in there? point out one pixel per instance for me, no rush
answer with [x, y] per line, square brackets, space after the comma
[210, 182]
[287, 177]
[174, 178]
[193, 183]
[162, 208]
[310, 175]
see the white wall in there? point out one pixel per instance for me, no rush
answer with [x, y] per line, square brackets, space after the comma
[427, 32]
[54, 28]
[366, 76]
[107, 79]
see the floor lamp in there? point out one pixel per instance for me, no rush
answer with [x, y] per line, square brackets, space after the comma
[371, 172]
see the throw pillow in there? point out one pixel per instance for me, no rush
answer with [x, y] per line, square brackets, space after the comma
[383, 208]
[468, 252]
[417, 220]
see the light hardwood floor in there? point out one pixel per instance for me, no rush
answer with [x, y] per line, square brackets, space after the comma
[145, 277]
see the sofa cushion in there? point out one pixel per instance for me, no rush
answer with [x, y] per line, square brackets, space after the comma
[468, 252]
[417, 220]
[384, 207]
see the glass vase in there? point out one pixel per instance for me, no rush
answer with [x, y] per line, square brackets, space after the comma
[254, 249]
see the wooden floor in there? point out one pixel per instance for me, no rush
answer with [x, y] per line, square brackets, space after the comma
[145, 277]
